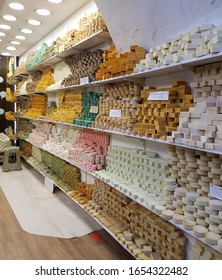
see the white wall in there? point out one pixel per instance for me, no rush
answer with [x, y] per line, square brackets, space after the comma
[70, 23]
[149, 23]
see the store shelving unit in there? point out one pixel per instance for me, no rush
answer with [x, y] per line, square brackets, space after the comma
[93, 41]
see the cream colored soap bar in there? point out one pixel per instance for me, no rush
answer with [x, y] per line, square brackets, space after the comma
[215, 204]
[167, 214]
[188, 224]
[199, 231]
[212, 237]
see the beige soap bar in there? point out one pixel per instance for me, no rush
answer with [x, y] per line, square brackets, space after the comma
[203, 201]
[212, 237]
[167, 214]
[178, 219]
[199, 231]
[159, 209]
[215, 204]
[219, 243]
[188, 224]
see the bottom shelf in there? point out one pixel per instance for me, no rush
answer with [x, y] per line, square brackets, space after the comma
[157, 230]
[164, 230]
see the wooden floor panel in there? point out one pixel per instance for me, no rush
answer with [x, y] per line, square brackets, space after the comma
[16, 244]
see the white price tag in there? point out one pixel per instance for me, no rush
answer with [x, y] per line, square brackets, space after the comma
[94, 109]
[49, 184]
[84, 80]
[158, 95]
[215, 191]
[114, 113]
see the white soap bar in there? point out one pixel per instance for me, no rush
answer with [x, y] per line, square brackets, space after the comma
[203, 201]
[178, 219]
[212, 238]
[167, 214]
[215, 204]
[187, 224]
[219, 243]
[159, 208]
[199, 231]
[210, 211]
[215, 219]
[181, 191]
[192, 195]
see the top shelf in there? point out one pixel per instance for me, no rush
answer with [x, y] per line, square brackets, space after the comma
[90, 42]
[186, 65]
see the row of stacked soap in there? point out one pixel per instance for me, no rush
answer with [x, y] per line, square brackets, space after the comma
[88, 25]
[188, 197]
[200, 41]
[137, 228]
[51, 165]
[139, 174]
[84, 148]
[201, 126]
[122, 107]
[74, 69]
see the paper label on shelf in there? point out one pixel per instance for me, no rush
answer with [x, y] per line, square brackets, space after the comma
[114, 113]
[49, 184]
[215, 191]
[158, 95]
[61, 48]
[94, 109]
[84, 80]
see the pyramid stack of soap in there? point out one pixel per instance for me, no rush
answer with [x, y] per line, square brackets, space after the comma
[69, 108]
[83, 65]
[38, 106]
[25, 127]
[200, 41]
[61, 71]
[82, 192]
[135, 226]
[192, 172]
[201, 127]
[137, 173]
[201, 251]
[46, 80]
[90, 150]
[90, 109]
[89, 25]
[40, 134]
[60, 140]
[116, 64]
[32, 81]
[118, 107]
[159, 118]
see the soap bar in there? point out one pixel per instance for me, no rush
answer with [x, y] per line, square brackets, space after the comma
[192, 195]
[199, 231]
[212, 238]
[159, 208]
[203, 201]
[219, 243]
[178, 219]
[215, 204]
[188, 224]
[167, 214]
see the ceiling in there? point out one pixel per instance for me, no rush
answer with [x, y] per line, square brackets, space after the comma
[59, 13]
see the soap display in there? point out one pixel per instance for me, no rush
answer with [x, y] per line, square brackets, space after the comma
[90, 109]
